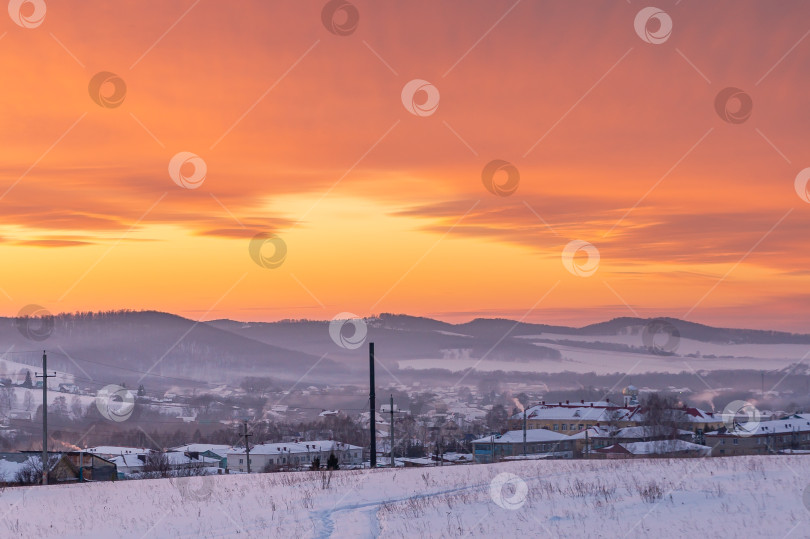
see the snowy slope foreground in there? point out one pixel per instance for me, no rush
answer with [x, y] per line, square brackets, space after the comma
[714, 497]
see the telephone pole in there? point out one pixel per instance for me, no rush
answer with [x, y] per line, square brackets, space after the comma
[392, 431]
[45, 377]
[524, 432]
[372, 420]
[247, 447]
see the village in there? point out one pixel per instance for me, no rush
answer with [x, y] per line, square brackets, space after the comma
[655, 427]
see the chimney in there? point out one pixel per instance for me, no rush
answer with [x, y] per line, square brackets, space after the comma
[607, 400]
[566, 402]
[582, 401]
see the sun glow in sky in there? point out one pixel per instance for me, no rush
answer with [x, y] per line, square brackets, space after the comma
[304, 134]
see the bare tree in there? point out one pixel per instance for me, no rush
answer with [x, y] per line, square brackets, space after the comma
[662, 416]
[156, 465]
[7, 400]
[193, 469]
[31, 471]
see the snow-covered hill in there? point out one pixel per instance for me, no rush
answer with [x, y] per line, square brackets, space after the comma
[714, 497]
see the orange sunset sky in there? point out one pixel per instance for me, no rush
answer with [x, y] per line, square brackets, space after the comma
[304, 135]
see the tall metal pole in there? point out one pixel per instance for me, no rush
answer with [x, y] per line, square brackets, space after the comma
[392, 430]
[44, 418]
[524, 432]
[587, 446]
[247, 447]
[45, 377]
[373, 417]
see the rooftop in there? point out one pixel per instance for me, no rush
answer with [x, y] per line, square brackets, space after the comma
[516, 436]
[294, 447]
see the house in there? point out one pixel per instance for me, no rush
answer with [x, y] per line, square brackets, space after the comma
[599, 437]
[129, 464]
[211, 451]
[69, 388]
[70, 466]
[179, 460]
[762, 438]
[109, 451]
[92, 467]
[656, 448]
[697, 420]
[293, 456]
[542, 442]
[570, 417]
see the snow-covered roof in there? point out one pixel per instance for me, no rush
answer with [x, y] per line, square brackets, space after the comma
[294, 447]
[665, 446]
[177, 458]
[219, 449]
[657, 447]
[590, 411]
[115, 450]
[624, 433]
[603, 411]
[777, 426]
[516, 436]
[127, 461]
[457, 457]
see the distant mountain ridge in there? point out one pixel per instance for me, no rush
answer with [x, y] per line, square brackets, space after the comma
[131, 345]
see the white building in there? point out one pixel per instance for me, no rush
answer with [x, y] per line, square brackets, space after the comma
[294, 455]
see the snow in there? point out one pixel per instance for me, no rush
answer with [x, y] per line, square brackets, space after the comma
[623, 433]
[756, 496]
[777, 426]
[279, 448]
[11, 464]
[114, 450]
[584, 360]
[217, 449]
[665, 446]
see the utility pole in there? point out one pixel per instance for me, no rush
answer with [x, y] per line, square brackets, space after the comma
[392, 430]
[441, 450]
[524, 432]
[247, 446]
[587, 447]
[372, 420]
[45, 377]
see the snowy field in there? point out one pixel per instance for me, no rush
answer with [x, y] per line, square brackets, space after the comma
[583, 360]
[714, 497]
